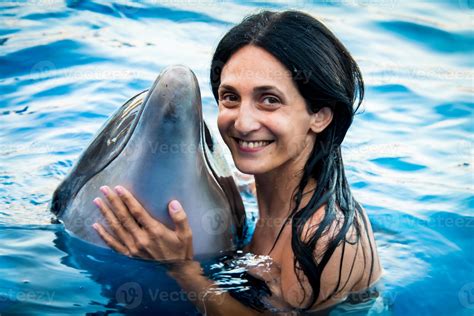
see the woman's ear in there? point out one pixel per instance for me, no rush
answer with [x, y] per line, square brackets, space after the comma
[321, 119]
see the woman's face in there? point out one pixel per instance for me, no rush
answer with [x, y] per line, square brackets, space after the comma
[262, 116]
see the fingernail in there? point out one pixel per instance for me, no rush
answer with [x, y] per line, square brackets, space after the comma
[175, 206]
[119, 190]
[97, 202]
[104, 189]
[95, 226]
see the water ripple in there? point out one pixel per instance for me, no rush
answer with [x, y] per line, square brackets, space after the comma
[432, 38]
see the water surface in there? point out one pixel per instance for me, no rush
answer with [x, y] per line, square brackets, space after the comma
[66, 66]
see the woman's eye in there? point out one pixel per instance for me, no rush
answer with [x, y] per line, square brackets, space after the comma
[269, 100]
[229, 97]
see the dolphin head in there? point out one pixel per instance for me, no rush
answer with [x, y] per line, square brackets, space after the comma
[172, 109]
[156, 145]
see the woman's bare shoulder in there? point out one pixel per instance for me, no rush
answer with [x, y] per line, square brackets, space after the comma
[360, 263]
[373, 269]
[354, 266]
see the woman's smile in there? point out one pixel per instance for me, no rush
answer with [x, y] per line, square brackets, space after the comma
[252, 146]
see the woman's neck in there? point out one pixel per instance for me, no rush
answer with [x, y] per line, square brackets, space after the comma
[275, 191]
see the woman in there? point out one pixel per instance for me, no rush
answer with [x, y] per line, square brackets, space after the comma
[286, 88]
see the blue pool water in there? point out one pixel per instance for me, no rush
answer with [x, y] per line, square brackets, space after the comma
[66, 66]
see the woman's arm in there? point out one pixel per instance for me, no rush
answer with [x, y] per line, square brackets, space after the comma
[136, 233]
[203, 293]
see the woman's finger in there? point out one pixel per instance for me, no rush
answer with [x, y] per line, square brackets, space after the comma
[180, 220]
[116, 226]
[138, 212]
[110, 240]
[120, 210]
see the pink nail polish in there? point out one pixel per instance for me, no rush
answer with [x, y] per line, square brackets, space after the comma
[95, 226]
[175, 206]
[105, 190]
[97, 202]
[119, 190]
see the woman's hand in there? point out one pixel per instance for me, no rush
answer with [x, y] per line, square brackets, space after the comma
[134, 232]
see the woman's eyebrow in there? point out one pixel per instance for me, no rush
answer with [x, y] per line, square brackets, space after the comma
[256, 89]
[226, 87]
[267, 88]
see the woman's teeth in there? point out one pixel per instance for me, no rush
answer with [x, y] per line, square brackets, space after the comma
[245, 144]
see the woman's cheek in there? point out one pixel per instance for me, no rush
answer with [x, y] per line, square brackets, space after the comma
[223, 122]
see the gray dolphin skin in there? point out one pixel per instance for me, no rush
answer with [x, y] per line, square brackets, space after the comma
[158, 146]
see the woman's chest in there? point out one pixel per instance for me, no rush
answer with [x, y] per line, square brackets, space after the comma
[270, 242]
[267, 266]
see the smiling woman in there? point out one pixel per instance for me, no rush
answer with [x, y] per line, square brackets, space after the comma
[286, 89]
[262, 116]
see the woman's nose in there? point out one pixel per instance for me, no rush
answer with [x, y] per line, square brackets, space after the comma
[246, 120]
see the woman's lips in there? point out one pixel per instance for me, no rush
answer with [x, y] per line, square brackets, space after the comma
[251, 146]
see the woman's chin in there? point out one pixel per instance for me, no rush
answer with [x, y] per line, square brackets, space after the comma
[245, 170]
[250, 169]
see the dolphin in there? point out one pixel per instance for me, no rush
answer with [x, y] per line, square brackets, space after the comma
[158, 146]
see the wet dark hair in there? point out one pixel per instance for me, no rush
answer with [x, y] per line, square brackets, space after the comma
[326, 76]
